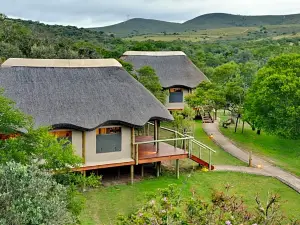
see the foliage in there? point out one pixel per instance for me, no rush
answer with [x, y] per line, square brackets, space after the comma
[206, 95]
[273, 102]
[78, 180]
[168, 207]
[226, 72]
[31, 196]
[31, 145]
[147, 76]
[183, 120]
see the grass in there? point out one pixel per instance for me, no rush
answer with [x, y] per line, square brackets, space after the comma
[282, 152]
[228, 33]
[104, 204]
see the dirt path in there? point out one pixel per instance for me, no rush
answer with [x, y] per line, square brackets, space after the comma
[267, 168]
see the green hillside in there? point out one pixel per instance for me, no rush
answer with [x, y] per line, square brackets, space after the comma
[138, 26]
[221, 20]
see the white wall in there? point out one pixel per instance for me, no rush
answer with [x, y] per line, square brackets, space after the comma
[77, 142]
[93, 158]
[177, 105]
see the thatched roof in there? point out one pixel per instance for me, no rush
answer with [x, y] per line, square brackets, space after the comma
[80, 97]
[173, 68]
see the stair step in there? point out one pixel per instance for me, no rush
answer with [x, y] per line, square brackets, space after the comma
[201, 162]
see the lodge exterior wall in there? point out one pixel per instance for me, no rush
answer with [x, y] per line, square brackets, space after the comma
[177, 105]
[93, 158]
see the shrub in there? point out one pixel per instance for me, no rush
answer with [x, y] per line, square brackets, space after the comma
[31, 196]
[168, 207]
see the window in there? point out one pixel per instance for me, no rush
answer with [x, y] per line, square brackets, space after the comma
[108, 139]
[59, 134]
[176, 95]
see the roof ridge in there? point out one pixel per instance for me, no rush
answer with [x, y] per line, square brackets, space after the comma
[62, 63]
[154, 53]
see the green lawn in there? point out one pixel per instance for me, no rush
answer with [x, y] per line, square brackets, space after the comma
[282, 152]
[104, 204]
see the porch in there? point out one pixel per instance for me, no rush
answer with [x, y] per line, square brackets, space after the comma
[149, 151]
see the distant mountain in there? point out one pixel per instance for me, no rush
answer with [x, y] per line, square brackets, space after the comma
[221, 20]
[141, 26]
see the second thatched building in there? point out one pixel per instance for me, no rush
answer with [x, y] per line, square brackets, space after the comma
[176, 72]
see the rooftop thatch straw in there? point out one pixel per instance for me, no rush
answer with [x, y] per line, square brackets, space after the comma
[82, 94]
[173, 68]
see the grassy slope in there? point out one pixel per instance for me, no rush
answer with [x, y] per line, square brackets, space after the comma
[104, 204]
[229, 33]
[282, 152]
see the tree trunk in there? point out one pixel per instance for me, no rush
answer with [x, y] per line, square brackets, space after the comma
[236, 124]
[258, 132]
[243, 126]
[216, 114]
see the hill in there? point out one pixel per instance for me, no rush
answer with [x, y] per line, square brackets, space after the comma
[221, 20]
[141, 26]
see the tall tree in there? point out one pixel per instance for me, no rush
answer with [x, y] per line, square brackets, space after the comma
[207, 94]
[273, 102]
[147, 76]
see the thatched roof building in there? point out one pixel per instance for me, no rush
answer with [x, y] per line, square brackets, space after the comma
[173, 68]
[79, 94]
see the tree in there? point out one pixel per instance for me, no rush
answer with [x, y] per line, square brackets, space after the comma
[208, 95]
[31, 196]
[43, 52]
[31, 145]
[225, 73]
[147, 76]
[273, 101]
[9, 51]
[183, 120]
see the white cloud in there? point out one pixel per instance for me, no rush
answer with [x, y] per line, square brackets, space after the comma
[91, 13]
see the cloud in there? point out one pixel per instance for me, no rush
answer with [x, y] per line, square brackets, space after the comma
[90, 13]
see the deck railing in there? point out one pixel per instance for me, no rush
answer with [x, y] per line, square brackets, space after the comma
[188, 141]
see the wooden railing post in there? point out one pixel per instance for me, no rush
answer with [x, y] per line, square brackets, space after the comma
[209, 160]
[200, 152]
[137, 154]
[176, 140]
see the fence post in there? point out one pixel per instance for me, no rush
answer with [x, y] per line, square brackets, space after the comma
[250, 159]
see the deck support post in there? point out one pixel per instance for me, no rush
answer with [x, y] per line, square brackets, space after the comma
[84, 186]
[158, 166]
[177, 168]
[131, 173]
[119, 172]
[142, 170]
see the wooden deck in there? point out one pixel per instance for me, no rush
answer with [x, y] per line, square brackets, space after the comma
[148, 154]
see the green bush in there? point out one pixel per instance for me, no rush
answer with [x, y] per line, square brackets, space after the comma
[31, 196]
[169, 207]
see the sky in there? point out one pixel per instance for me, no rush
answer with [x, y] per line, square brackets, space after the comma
[98, 13]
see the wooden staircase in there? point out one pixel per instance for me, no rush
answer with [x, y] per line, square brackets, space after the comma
[201, 162]
[206, 117]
